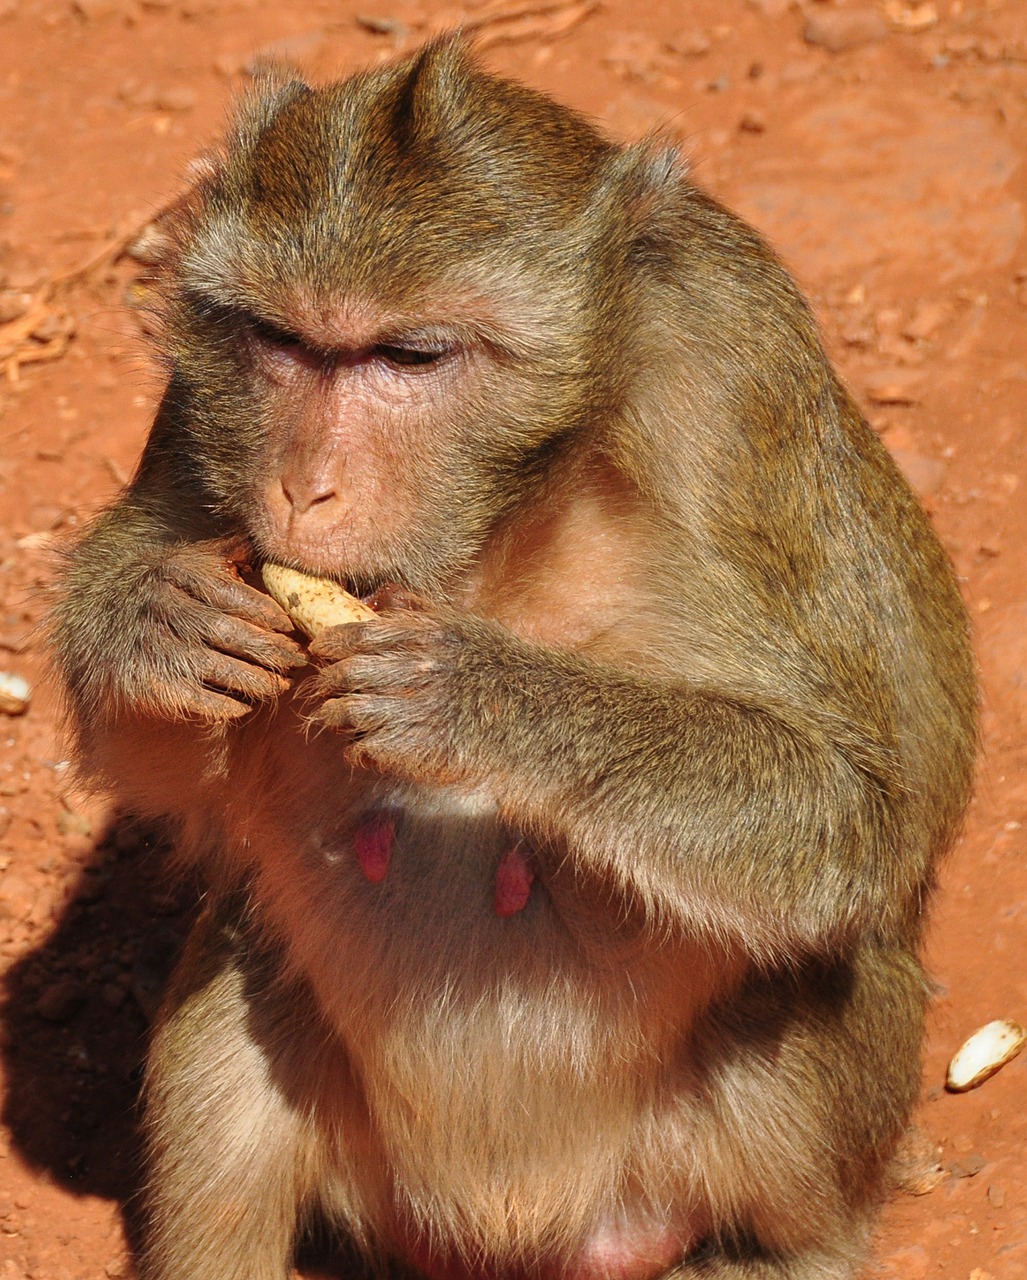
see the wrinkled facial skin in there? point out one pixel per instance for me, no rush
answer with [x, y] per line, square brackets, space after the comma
[357, 445]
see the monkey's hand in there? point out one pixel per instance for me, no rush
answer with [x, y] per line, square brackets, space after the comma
[413, 690]
[176, 634]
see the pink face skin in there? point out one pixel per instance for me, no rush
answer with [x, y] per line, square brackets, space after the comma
[356, 430]
[367, 416]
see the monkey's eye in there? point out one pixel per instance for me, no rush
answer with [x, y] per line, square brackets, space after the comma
[407, 356]
[272, 336]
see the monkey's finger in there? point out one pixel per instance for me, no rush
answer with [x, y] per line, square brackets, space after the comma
[383, 674]
[225, 674]
[390, 743]
[401, 633]
[246, 640]
[335, 643]
[356, 715]
[226, 593]
[184, 700]
[333, 714]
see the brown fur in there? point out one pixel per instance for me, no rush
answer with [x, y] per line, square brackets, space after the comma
[672, 621]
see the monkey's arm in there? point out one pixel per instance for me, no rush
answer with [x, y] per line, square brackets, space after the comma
[150, 616]
[735, 816]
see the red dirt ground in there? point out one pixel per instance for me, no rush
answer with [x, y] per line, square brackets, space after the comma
[888, 172]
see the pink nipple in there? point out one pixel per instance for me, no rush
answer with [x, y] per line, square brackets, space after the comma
[373, 842]
[514, 878]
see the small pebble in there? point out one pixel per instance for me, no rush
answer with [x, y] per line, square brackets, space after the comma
[894, 387]
[925, 321]
[180, 99]
[689, 44]
[381, 26]
[72, 823]
[17, 897]
[840, 30]
[969, 1167]
[13, 305]
[918, 17]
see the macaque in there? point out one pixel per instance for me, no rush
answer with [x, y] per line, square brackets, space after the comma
[562, 919]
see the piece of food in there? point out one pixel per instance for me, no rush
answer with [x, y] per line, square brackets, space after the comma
[313, 603]
[15, 693]
[988, 1049]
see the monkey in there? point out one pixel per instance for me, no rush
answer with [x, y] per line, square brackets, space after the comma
[562, 920]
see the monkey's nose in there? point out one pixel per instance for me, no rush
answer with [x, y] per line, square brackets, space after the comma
[302, 495]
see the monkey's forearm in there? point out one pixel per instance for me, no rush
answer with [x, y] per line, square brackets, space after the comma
[730, 815]
[733, 815]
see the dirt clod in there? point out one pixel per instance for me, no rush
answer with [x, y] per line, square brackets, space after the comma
[61, 1001]
[15, 694]
[840, 30]
[969, 1166]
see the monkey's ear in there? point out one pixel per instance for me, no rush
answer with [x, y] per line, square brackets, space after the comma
[437, 89]
[643, 182]
[275, 85]
[650, 170]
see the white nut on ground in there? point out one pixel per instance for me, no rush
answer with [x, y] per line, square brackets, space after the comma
[313, 603]
[988, 1049]
[15, 693]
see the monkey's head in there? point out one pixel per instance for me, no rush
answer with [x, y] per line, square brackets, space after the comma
[391, 307]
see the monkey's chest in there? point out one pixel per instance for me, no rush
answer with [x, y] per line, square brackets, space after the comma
[447, 842]
[420, 917]
[390, 887]
[399, 871]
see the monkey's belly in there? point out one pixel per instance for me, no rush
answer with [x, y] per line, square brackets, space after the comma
[512, 1038]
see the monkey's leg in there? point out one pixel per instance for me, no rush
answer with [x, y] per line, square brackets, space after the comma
[225, 1180]
[812, 1074]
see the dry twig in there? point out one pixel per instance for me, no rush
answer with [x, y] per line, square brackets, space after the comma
[494, 22]
[46, 328]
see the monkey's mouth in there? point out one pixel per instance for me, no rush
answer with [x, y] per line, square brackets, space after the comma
[373, 589]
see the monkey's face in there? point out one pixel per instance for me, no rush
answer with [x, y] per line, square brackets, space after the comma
[381, 317]
[374, 440]
[381, 454]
